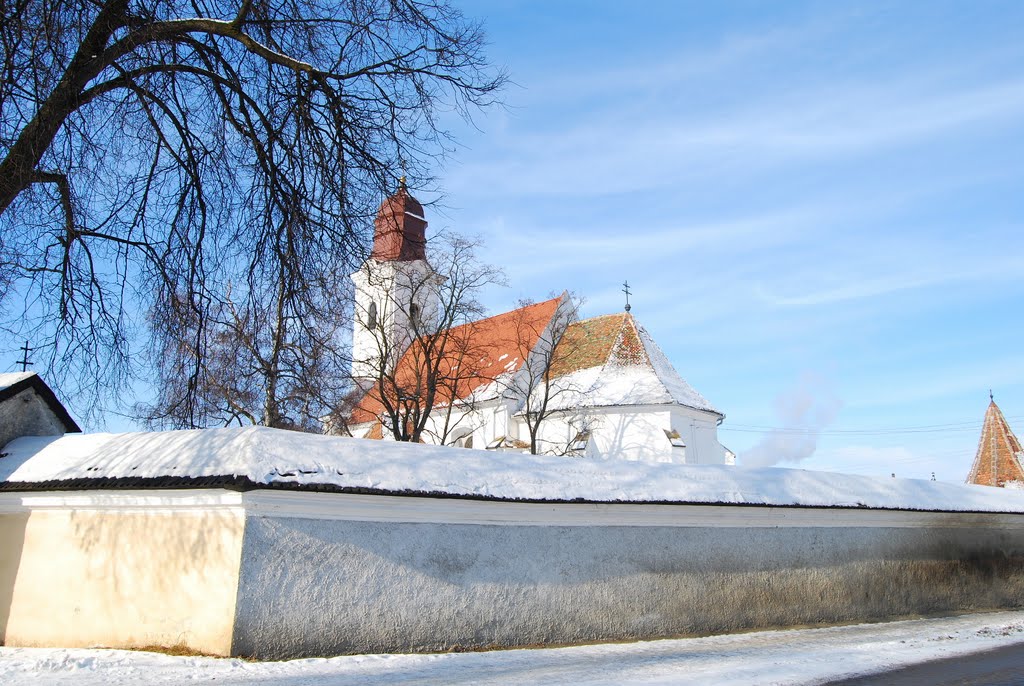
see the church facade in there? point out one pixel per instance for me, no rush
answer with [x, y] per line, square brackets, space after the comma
[534, 379]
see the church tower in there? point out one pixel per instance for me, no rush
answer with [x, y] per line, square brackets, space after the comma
[998, 461]
[395, 290]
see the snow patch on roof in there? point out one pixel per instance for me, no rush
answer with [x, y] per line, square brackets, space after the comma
[10, 378]
[634, 372]
[268, 456]
[681, 392]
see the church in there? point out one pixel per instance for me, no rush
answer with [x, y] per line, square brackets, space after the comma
[534, 379]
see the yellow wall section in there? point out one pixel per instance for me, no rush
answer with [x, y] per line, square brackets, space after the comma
[120, 579]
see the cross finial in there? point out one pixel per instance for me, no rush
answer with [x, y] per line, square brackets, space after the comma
[990, 396]
[401, 182]
[625, 289]
[24, 361]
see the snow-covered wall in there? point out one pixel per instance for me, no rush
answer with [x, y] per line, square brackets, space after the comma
[327, 545]
[272, 573]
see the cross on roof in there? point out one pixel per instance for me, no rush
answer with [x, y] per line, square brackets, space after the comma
[24, 361]
[625, 289]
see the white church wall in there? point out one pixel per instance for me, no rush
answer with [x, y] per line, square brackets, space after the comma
[637, 434]
[699, 431]
[384, 292]
[633, 434]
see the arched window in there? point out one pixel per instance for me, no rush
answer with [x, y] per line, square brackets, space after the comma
[414, 314]
[371, 316]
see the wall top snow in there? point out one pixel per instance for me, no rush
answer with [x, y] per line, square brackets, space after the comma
[256, 457]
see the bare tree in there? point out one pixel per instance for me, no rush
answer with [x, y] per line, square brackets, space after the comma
[546, 351]
[152, 151]
[277, 364]
[425, 371]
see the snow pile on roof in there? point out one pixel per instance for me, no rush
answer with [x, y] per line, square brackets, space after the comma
[266, 456]
[10, 378]
[633, 372]
[681, 392]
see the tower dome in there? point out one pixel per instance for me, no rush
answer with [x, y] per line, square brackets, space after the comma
[399, 232]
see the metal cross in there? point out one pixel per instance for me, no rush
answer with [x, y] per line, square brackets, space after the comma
[625, 289]
[24, 361]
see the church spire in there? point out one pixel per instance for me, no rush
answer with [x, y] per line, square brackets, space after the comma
[998, 460]
[399, 232]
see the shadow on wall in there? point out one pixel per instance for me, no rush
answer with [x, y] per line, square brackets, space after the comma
[320, 587]
[633, 434]
[140, 578]
[12, 543]
[121, 578]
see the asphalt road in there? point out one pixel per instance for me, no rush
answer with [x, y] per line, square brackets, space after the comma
[1000, 667]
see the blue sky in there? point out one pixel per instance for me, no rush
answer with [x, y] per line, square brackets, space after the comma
[818, 207]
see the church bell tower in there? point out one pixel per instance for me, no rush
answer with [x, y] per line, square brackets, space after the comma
[395, 289]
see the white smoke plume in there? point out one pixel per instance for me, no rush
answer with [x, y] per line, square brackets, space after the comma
[801, 412]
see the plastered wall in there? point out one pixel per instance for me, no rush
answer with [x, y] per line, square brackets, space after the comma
[275, 574]
[119, 578]
[311, 587]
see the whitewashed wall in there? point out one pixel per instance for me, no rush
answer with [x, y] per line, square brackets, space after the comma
[120, 569]
[629, 433]
[351, 574]
[318, 573]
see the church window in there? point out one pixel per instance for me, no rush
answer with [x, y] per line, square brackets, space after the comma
[371, 316]
[414, 314]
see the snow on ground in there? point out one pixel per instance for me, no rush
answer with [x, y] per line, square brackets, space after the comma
[269, 455]
[809, 656]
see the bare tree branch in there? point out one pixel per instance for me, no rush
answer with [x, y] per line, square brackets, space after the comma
[153, 151]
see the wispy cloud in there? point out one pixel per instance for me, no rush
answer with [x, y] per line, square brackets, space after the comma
[625, 145]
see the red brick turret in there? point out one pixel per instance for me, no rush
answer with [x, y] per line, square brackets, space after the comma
[399, 232]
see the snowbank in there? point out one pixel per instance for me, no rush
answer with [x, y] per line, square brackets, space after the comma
[269, 456]
[784, 658]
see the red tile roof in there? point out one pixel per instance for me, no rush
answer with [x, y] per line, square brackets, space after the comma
[999, 452]
[476, 354]
[607, 339]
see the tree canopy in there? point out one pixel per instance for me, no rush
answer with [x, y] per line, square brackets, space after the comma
[169, 166]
